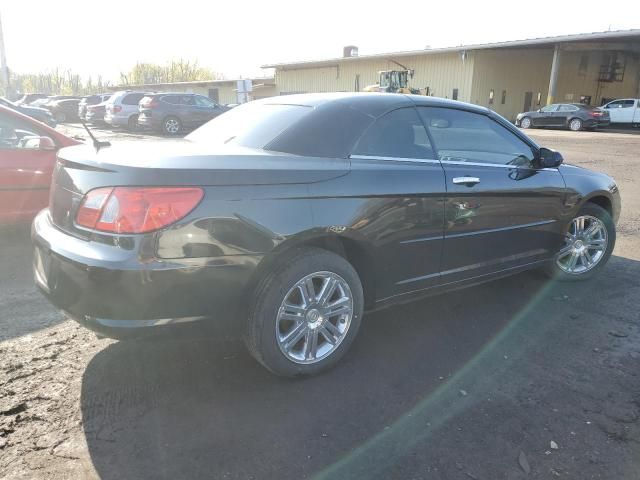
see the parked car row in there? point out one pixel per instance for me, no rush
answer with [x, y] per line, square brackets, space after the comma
[41, 114]
[578, 116]
[167, 113]
[170, 113]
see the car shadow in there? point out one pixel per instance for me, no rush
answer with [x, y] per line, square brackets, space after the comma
[200, 408]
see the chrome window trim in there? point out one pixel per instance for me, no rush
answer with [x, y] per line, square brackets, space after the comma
[395, 159]
[447, 162]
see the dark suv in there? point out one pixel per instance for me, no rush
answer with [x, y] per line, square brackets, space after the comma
[170, 113]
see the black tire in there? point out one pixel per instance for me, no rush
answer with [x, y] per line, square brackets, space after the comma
[171, 125]
[597, 211]
[132, 123]
[261, 327]
[526, 122]
[575, 125]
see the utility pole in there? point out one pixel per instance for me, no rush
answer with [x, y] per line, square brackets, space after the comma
[4, 70]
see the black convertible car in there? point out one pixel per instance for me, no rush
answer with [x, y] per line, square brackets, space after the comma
[290, 216]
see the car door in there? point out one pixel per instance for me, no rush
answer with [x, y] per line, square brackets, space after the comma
[615, 111]
[564, 113]
[627, 111]
[25, 170]
[501, 213]
[396, 189]
[206, 109]
[545, 116]
[187, 111]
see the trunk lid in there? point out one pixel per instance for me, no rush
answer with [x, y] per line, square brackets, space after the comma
[174, 163]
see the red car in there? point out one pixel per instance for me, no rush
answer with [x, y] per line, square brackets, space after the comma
[27, 157]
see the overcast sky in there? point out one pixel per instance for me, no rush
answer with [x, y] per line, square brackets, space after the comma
[237, 37]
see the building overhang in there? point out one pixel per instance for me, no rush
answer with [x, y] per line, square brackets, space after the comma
[604, 40]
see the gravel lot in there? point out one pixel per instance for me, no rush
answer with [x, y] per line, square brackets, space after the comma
[521, 378]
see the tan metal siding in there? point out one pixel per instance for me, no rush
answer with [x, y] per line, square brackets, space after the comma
[516, 72]
[441, 73]
[572, 83]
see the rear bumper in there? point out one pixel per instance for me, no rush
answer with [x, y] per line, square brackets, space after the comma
[595, 123]
[116, 120]
[119, 293]
[152, 123]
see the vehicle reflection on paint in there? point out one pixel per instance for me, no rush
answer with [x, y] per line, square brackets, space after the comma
[215, 237]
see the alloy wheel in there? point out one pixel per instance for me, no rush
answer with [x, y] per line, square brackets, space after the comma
[525, 122]
[585, 245]
[575, 124]
[172, 126]
[314, 317]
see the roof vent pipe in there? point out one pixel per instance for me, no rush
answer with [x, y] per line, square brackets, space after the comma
[350, 51]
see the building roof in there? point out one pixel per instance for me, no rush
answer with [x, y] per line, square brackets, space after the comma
[194, 83]
[615, 35]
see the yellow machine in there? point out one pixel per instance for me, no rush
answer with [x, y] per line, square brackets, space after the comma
[393, 81]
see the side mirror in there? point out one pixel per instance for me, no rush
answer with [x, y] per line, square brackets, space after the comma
[37, 143]
[548, 158]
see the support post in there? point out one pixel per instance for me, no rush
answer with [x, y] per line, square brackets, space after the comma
[4, 70]
[553, 78]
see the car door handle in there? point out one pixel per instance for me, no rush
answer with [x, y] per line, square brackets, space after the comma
[468, 181]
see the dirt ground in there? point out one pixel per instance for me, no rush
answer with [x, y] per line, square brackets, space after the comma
[520, 378]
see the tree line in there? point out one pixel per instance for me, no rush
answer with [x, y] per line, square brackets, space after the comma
[66, 82]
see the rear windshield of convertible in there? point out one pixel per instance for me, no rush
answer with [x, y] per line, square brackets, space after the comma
[250, 125]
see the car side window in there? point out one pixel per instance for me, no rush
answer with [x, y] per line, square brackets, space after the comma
[567, 108]
[171, 99]
[14, 134]
[628, 103]
[616, 104]
[204, 101]
[187, 100]
[549, 109]
[398, 134]
[132, 98]
[472, 137]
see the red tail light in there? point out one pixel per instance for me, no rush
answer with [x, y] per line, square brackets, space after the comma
[136, 209]
[597, 114]
[116, 108]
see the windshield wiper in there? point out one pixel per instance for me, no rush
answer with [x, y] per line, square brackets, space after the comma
[98, 144]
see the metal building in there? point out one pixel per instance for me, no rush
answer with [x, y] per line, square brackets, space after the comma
[508, 77]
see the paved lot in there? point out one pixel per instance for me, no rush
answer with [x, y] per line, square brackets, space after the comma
[475, 384]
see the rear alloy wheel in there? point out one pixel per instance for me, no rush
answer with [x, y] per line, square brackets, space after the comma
[525, 122]
[575, 125]
[132, 123]
[306, 314]
[171, 126]
[587, 246]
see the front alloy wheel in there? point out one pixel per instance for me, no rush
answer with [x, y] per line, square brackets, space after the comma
[588, 243]
[585, 245]
[525, 122]
[314, 317]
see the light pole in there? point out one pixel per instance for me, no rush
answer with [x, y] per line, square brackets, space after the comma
[4, 70]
